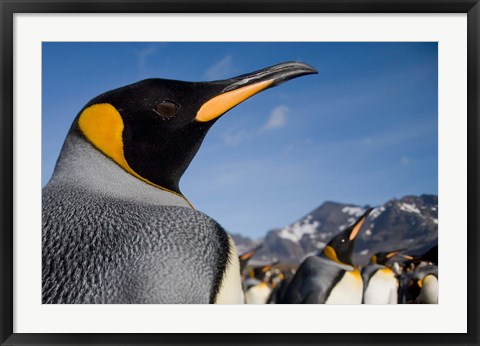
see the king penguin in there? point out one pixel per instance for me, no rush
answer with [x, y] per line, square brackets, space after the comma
[419, 285]
[428, 283]
[379, 280]
[278, 291]
[330, 277]
[258, 286]
[115, 226]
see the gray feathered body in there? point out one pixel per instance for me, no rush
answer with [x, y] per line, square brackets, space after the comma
[98, 250]
[101, 246]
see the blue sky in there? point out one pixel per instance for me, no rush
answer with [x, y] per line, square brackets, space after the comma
[362, 131]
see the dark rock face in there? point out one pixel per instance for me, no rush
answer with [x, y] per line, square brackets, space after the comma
[410, 222]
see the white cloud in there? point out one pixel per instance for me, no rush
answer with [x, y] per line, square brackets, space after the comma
[297, 146]
[144, 53]
[234, 137]
[406, 161]
[221, 69]
[367, 141]
[277, 119]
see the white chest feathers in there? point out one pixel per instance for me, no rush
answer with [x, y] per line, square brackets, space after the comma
[382, 288]
[230, 291]
[429, 291]
[349, 290]
[258, 294]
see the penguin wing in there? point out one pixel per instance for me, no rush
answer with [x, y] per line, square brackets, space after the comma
[312, 282]
[293, 294]
[273, 295]
[279, 291]
[315, 298]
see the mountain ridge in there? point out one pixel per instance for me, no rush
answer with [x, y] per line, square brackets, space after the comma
[409, 222]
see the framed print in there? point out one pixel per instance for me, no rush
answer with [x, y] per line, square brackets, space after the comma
[353, 184]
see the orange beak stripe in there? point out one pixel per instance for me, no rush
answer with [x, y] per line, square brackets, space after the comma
[393, 253]
[218, 105]
[356, 229]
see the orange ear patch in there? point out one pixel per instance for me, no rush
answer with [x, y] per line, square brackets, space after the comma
[330, 253]
[102, 125]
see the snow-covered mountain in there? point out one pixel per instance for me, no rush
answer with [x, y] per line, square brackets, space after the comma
[410, 222]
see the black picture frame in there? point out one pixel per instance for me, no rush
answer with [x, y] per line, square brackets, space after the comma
[9, 7]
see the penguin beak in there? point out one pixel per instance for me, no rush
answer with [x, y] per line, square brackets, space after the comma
[266, 268]
[240, 88]
[246, 256]
[394, 253]
[358, 225]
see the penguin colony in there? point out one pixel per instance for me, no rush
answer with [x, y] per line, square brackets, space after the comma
[116, 228]
[331, 277]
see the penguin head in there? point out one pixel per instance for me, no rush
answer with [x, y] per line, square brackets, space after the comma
[264, 272]
[153, 128]
[340, 248]
[245, 257]
[427, 258]
[431, 255]
[383, 257]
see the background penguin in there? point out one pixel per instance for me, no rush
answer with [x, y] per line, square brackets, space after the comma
[380, 281]
[280, 288]
[245, 257]
[420, 286]
[258, 284]
[427, 280]
[116, 228]
[257, 291]
[430, 256]
[419, 283]
[330, 277]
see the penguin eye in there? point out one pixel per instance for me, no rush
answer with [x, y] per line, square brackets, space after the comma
[166, 108]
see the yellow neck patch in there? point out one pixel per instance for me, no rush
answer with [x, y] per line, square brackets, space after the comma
[356, 274]
[387, 271]
[263, 284]
[103, 126]
[331, 253]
